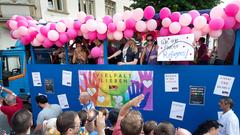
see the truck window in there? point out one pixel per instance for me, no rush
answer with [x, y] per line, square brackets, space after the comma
[11, 66]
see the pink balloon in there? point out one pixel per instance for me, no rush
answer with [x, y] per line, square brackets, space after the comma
[84, 28]
[185, 30]
[69, 23]
[33, 34]
[91, 25]
[110, 36]
[128, 33]
[77, 25]
[185, 19]
[72, 34]
[13, 24]
[197, 34]
[174, 27]
[23, 30]
[112, 27]
[164, 12]
[96, 52]
[126, 15]
[164, 31]
[175, 16]
[118, 35]
[206, 16]
[88, 17]
[18, 18]
[53, 35]
[22, 23]
[130, 23]
[52, 26]
[199, 22]
[36, 43]
[92, 35]
[215, 34]
[149, 12]
[217, 12]
[231, 9]
[59, 44]
[81, 16]
[229, 22]
[121, 26]
[151, 25]
[117, 17]
[141, 26]
[44, 30]
[15, 34]
[85, 35]
[237, 17]
[206, 29]
[194, 14]
[40, 37]
[28, 17]
[47, 43]
[61, 27]
[137, 14]
[166, 22]
[32, 23]
[216, 24]
[101, 28]
[107, 19]
[63, 37]
[101, 36]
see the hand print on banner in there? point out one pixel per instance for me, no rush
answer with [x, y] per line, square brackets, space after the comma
[91, 85]
[146, 77]
[135, 89]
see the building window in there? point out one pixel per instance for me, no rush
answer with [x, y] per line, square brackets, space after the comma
[126, 8]
[87, 6]
[57, 5]
[110, 7]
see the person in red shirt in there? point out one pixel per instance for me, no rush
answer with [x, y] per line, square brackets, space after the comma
[12, 104]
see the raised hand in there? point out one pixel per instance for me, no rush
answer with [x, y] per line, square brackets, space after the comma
[91, 85]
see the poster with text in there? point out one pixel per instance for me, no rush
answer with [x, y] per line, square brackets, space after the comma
[115, 88]
[197, 95]
[176, 48]
[36, 78]
[171, 82]
[177, 110]
[223, 85]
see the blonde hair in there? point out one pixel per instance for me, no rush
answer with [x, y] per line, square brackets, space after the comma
[132, 45]
[51, 131]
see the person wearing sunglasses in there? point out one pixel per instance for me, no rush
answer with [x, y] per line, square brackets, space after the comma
[129, 53]
[149, 54]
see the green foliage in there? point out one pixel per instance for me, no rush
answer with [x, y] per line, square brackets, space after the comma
[176, 5]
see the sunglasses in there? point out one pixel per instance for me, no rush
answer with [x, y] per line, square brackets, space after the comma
[148, 40]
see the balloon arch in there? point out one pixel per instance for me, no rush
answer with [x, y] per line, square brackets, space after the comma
[124, 24]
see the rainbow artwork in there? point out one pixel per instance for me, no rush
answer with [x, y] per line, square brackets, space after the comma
[115, 88]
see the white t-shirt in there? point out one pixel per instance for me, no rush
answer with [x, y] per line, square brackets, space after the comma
[230, 123]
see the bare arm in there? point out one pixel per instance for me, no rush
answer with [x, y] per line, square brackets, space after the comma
[37, 129]
[132, 103]
[74, 58]
[101, 123]
[7, 90]
[143, 55]
[115, 54]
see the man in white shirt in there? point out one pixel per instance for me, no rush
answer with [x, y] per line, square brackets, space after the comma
[228, 119]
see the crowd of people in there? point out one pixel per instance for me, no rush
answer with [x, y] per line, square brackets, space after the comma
[89, 120]
[124, 52]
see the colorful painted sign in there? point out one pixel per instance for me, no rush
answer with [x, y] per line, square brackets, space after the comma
[115, 88]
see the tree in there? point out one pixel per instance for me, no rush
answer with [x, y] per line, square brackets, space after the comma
[176, 5]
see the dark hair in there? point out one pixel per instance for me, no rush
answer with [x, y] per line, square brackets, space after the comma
[41, 99]
[165, 128]
[113, 116]
[149, 126]
[132, 123]
[65, 121]
[83, 116]
[206, 126]
[21, 121]
[228, 100]
[202, 39]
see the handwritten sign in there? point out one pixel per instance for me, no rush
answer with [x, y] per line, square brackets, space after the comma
[176, 48]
